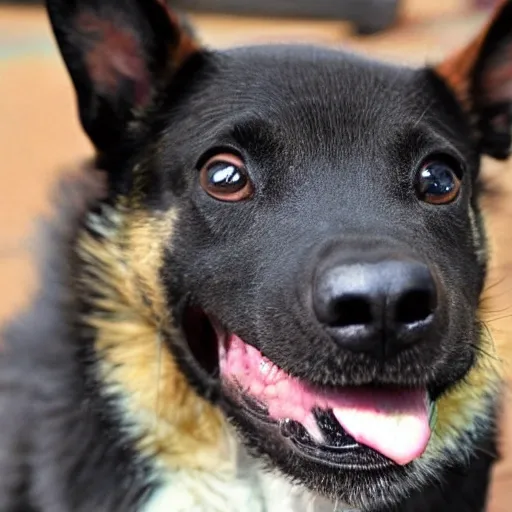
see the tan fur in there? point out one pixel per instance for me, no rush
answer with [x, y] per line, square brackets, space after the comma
[467, 405]
[456, 69]
[171, 421]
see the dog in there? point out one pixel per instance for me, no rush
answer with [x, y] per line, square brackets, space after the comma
[265, 291]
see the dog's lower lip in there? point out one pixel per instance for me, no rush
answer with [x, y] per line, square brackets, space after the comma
[351, 456]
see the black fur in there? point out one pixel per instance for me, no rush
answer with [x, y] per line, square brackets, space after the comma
[332, 143]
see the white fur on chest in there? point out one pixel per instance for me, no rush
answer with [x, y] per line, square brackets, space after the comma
[262, 492]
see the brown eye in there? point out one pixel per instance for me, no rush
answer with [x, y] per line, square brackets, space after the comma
[437, 182]
[225, 178]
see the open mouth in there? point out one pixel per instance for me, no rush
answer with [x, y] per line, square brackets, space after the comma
[378, 426]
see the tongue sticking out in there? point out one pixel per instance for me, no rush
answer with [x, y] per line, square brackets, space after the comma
[394, 423]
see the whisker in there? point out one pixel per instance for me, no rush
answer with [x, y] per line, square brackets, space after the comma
[480, 349]
[494, 284]
[484, 352]
[500, 310]
[485, 452]
[498, 318]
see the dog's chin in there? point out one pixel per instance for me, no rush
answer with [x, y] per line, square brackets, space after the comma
[344, 436]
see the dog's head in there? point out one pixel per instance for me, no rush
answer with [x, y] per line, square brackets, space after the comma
[316, 216]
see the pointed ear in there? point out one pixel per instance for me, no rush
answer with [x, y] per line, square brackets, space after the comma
[120, 55]
[480, 76]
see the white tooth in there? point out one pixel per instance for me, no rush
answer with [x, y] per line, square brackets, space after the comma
[311, 426]
[265, 367]
[273, 372]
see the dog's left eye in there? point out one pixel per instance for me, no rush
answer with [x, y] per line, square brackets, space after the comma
[437, 182]
[225, 178]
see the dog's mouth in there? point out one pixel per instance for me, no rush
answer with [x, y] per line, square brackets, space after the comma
[365, 426]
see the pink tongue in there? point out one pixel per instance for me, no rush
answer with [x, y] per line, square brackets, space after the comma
[394, 423]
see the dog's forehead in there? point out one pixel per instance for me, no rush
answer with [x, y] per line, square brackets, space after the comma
[304, 92]
[284, 78]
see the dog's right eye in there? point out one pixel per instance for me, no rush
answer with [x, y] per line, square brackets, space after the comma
[224, 177]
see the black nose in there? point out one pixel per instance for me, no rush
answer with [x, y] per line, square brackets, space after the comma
[379, 308]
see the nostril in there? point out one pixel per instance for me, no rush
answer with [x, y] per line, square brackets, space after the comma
[350, 310]
[415, 306]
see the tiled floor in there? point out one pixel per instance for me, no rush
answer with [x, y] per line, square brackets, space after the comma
[39, 135]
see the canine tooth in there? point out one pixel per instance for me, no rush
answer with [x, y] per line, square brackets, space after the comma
[313, 429]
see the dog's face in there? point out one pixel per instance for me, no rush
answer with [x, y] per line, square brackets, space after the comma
[327, 257]
[325, 246]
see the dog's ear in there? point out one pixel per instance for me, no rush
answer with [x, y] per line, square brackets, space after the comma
[481, 78]
[120, 55]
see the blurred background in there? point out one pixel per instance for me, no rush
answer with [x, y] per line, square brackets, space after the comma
[40, 135]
